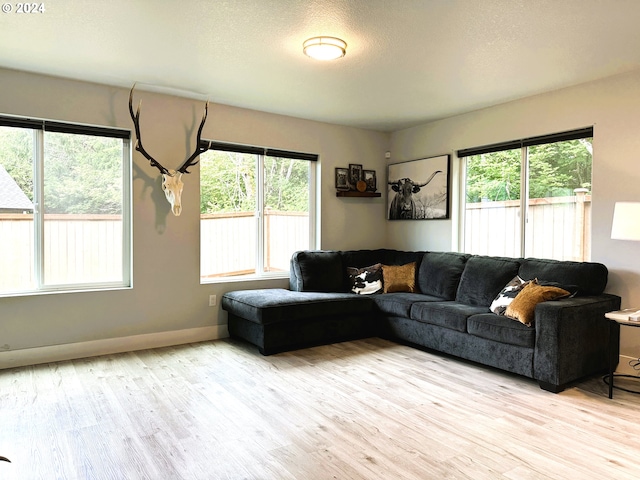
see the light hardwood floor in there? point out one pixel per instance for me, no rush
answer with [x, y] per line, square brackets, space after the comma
[368, 409]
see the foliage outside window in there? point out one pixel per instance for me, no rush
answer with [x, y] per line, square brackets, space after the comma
[256, 209]
[64, 212]
[532, 201]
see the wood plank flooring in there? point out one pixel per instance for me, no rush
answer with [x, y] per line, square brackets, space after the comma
[368, 409]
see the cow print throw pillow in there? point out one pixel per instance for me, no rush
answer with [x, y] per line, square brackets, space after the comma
[366, 281]
[507, 294]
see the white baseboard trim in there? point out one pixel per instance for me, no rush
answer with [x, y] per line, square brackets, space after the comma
[108, 346]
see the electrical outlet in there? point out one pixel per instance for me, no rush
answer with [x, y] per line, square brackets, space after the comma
[212, 300]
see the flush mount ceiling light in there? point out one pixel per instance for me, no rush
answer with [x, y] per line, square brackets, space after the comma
[324, 48]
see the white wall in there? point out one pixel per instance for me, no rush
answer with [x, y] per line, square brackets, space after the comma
[612, 106]
[167, 298]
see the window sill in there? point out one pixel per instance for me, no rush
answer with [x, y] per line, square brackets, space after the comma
[246, 278]
[67, 291]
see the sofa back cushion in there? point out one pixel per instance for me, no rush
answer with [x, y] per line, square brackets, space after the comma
[484, 277]
[589, 278]
[398, 257]
[362, 258]
[440, 272]
[317, 271]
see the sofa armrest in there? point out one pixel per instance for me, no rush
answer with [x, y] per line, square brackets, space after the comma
[572, 338]
[316, 271]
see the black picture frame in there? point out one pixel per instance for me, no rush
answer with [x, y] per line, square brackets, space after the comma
[369, 177]
[342, 178]
[355, 174]
[419, 189]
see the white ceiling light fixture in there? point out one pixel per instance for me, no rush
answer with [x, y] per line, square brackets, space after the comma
[324, 48]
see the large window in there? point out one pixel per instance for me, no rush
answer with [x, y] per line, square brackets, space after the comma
[529, 197]
[257, 207]
[63, 206]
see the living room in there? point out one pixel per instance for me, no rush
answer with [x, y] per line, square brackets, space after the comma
[168, 305]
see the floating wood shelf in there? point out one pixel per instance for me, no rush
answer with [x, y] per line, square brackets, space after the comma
[353, 193]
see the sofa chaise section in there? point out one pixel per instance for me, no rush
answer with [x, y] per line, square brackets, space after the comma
[276, 319]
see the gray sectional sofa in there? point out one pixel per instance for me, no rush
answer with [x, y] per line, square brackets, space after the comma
[447, 311]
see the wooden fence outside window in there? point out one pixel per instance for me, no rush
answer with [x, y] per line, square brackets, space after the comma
[558, 228]
[88, 248]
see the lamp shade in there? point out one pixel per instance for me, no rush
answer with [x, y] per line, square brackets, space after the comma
[324, 48]
[626, 221]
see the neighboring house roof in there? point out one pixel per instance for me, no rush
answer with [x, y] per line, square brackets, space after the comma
[11, 195]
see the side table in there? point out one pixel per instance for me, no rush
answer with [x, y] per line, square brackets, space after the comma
[608, 379]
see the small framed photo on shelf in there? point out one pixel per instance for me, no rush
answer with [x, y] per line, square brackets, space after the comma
[369, 177]
[355, 174]
[342, 178]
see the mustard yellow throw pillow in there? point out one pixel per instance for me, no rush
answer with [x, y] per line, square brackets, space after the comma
[522, 307]
[399, 278]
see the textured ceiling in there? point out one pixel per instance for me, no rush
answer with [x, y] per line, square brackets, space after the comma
[407, 62]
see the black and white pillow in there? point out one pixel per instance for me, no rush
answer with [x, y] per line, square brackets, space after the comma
[367, 280]
[507, 294]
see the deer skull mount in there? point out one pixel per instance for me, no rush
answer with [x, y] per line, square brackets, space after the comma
[171, 179]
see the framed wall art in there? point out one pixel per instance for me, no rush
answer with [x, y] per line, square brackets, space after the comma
[342, 178]
[369, 177]
[355, 174]
[418, 189]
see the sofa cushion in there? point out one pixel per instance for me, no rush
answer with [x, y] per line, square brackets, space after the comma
[363, 258]
[399, 278]
[501, 329]
[274, 305]
[449, 314]
[440, 272]
[589, 277]
[484, 277]
[399, 304]
[396, 257]
[317, 271]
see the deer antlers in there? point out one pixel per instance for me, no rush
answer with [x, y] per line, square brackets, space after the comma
[189, 162]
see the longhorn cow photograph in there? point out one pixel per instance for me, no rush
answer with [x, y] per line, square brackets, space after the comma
[419, 189]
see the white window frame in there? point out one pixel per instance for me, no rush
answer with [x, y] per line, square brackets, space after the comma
[261, 153]
[39, 127]
[524, 145]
